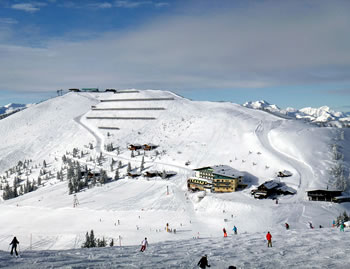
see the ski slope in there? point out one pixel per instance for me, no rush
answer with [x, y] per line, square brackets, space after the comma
[291, 249]
[205, 133]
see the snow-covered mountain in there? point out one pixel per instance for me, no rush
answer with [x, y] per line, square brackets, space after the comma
[78, 126]
[323, 116]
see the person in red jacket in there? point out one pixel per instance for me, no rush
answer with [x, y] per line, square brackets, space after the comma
[269, 237]
[225, 233]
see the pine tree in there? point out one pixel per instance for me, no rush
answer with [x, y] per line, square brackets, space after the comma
[44, 164]
[111, 244]
[103, 176]
[7, 193]
[70, 186]
[163, 174]
[78, 172]
[92, 240]
[15, 193]
[129, 168]
[86, 244]
[142, 163]
[116, 175]
[132, 154]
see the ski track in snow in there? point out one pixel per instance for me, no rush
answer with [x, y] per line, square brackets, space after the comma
[318, 248]
[303, 171]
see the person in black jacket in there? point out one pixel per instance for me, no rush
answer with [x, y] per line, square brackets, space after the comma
[14, 243]
[203, 262]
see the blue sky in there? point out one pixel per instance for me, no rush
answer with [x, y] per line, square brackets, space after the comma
[290, 53]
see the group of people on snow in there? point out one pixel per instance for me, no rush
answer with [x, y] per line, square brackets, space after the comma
[203, 262]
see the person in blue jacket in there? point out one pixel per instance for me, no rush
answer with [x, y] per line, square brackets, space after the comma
[234, 229]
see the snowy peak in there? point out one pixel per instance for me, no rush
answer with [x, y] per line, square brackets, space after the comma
[262, 104]
[323, 116]
[11, 108]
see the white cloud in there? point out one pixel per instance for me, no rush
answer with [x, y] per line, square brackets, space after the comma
[102, 5]
[260, 46]
[161, 4]
[28, 7]
[131, 4]
[8, 21]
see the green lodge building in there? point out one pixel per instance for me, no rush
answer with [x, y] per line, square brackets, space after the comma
[218, 178]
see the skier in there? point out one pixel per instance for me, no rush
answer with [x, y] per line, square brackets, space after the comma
[203, 262]
[14, 243]
[234, 229]
[144, 244]
[287, 226]
[310, 224]
[225, 233]
[269, 237]
[342, 227]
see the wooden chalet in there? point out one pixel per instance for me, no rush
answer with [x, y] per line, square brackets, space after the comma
[149, 146]
[168, 174]
[134, 147]
[341, 199]
[151, 173]
[284, 173]
[323, 195]
[134, 174]
[90, 174]
[154, 173]
[272, 188]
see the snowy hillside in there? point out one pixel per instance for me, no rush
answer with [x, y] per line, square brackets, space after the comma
[322, 116]
[318, 248]
[78, 126]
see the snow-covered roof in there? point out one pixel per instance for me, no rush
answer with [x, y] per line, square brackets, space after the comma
[227, 171]
[286, 188]
[286, 173]
[150, 144]
[201, 179]
[271, 184]
[134, 173]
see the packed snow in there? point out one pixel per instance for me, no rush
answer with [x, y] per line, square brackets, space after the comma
[256, 143]
[317, 248]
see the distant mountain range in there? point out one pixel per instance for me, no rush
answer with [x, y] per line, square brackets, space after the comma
[322, 116]
[10, 109]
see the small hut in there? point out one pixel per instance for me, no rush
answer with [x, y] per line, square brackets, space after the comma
[323, 195]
